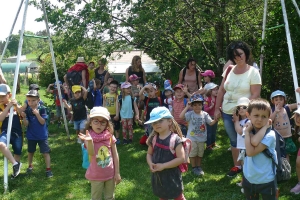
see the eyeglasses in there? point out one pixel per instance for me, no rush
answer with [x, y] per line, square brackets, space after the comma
[96, 122]
[243, 107]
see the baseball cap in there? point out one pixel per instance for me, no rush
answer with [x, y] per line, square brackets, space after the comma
[243, 101]
[99, 112]
[76, 88]
[152, 84]
[209, 72]
[210, 86]
[167, 83]
[178, 86]
[159, 113]
[125, 85]
[4, 89]
[196, 97]
[277, 93]
[59, 82]
[134, 77]
[33, 93]
[169, 88]
[34, 87]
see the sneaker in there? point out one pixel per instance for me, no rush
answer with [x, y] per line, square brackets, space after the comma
[201, 172]
[70, 122]
[29, 170]
[125, 141]
[234, 171]
[16, 169]
[129, 141]
[118, 141]
[209, 148]
[196, 171]
[49, 174]
[296, 189]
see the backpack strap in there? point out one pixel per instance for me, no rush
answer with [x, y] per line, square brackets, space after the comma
[183, 73]
[172, 143]
[229, 68]
[184, 102]
[154, 141]
[197, 73]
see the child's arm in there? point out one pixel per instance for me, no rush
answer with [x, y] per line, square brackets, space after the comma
[69, 107]
[136, 110]
[48, 88]
[256, 139]
[104, 101]
[38, 116]
[149, 158]
[5, 112]
[116, 163]
[141, 93]
[185, 90]
[25, 121]
[88, 141]
[85, 93]
[182, 114]
[273, 114]
[95, 86]
[237, 125]
[292, 106]
[116, 118]
[173, 163]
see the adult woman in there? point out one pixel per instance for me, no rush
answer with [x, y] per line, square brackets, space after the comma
[101, 73]
[242, 80]
[137, 69]
[190, 76]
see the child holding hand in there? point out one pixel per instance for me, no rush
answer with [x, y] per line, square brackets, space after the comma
[166, 176]
[104, 171]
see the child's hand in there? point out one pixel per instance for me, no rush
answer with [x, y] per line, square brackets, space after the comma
[65, 101]
[151, 166]
[23, 114]
[185, 89]
[116, 118]
[13, 102]
[117, 178]
[137, 117]
[298, 90]
[235, 117]
[277, 108]
[35, 111]
[248, 126]
[268, 124]
[158, 167]
[86, 137]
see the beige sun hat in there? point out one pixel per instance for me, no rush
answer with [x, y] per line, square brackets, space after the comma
[100, 112]
[80, 60]
[243, 101]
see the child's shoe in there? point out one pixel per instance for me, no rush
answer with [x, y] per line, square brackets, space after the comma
[49, 174]
[196, 171]
[201, 172]
[125, 141]
[16, 169]
[296, 189]
[234, 171]
[118, 141]
[29, 170]
[129, 141]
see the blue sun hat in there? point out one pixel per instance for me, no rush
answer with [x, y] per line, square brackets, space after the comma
[159, 113]
[277, 93]
[196, 97]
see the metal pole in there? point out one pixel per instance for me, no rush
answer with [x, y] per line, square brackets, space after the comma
[263, 38]
[11, 30]
[55, 69]
[14, 94]
[291, 53]
[296, 6]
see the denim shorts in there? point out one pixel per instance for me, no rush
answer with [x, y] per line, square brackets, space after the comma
[230, 130]
[43, 144]
[79, 125]
[16, 141]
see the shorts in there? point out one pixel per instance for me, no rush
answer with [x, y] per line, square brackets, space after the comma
[16, 141]
[58, 111]
[79, 125]
[197, 149]
[43, 144]
[290, 146]
[116, 124]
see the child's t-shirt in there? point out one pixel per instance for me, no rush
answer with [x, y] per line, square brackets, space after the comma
[169, 102]
[240, 139]
[207, 103]
[166, 184]
[16, 126]
[126, 111]
[282, 124]
[259, 168]
[197, 129]
[152, 103]
[98, 101]
[178, 107]
[101, 164]
[36, 130]
[78, 108]
[110, 101]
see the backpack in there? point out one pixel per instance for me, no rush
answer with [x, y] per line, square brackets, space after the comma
[90, 100]
[74, 78]
[283, 168]
[147, 102]
[197, 73]
[187, 146]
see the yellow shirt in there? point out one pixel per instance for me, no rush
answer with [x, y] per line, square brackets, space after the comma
[110, 102]
[91, 73]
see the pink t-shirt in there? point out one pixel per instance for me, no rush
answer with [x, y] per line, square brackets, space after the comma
[178, 107]
[207, 103]
[101, 164]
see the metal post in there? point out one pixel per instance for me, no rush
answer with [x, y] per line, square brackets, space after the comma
[291, 53]
[14, 95]
[263, 38]
[55, 69]
[296, 6]
[11, 30]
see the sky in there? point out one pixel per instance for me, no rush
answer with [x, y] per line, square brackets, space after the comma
[8, 13]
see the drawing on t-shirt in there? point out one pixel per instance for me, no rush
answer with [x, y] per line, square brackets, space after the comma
[103, 157]
[110, 101]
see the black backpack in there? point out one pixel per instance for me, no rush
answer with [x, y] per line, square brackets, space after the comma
[283, 168]
[90, 100]
[74, 78]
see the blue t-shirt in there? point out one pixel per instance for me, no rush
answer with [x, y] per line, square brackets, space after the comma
[126, 111]
[259, 169]
[16, 126]
[98, 101]
[36, 130]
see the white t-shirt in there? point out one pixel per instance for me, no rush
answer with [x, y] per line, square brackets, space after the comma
[237, 86]
[169, 102]
[240, 144]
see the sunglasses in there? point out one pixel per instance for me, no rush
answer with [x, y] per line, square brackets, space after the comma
[243, 107]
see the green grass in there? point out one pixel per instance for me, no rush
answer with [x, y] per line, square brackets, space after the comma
[69, 180]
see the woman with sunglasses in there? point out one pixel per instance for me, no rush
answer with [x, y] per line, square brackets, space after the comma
[242, 80]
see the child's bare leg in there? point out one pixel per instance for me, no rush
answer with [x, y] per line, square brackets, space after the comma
[47, 159]
[17, 157]
[198, 161]
[6, 152]
[30, 158]
[193, 161]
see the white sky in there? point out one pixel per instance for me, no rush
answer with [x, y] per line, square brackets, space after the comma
[8, 13]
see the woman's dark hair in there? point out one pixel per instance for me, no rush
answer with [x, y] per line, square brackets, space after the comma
[232, 50]
[188, 62]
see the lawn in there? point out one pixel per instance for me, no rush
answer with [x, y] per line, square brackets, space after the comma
[69, 181]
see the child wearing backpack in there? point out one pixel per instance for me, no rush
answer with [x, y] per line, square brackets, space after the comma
[197, 130]
[259, 171]
[94, 97]
[127, 107]
[110, 101]
[34, 119]
[281, 114]
[103, 171]
[77, 105]
[209, 107]
[150, 101]
[179, 103]
[166, 176]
